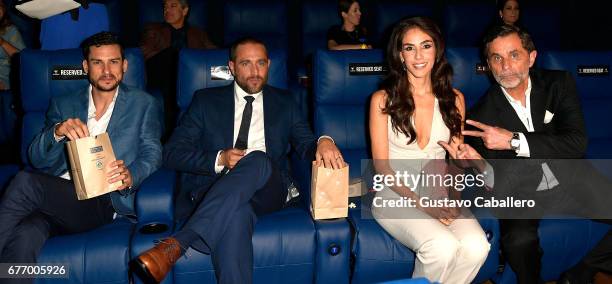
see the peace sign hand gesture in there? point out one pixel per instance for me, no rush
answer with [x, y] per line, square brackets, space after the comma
[494, 138]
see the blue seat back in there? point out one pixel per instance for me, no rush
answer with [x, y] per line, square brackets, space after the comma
[317, 18]
[264, 20]
[61, 32]
[464, 24]
[38, 85]
[341, 101]
[386, 13]
[469, 77]
[543, 23]
[195, 67]
[593, 89]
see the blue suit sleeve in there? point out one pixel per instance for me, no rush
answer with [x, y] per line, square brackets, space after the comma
[184, 152]
[302, 138]
[150, 149]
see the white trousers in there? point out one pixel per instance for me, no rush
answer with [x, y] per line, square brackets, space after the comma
[447, 254]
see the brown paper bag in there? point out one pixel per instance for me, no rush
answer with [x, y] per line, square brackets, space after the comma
[89, 158]
[329, 192]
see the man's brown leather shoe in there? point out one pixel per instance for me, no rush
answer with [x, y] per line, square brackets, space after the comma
[153, 264]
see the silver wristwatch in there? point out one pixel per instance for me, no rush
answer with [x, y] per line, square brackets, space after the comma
[515, 141]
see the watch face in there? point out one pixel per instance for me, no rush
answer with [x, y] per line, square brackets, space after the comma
[515, 143]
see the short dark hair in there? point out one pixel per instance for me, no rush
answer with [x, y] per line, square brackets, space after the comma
[244, 40]
[505, 30]
[99, 39]
[344, 6]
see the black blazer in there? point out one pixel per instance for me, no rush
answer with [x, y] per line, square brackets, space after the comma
[208, 126]
[564, 137]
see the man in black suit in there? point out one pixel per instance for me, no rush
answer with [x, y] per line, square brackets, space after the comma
[529, 114]
[231, 147]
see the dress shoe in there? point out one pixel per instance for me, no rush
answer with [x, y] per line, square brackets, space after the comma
[153, 264]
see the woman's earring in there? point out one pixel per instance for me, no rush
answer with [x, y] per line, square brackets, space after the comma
[404, 65]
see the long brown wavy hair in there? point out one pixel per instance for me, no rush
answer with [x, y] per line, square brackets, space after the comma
[400, 104]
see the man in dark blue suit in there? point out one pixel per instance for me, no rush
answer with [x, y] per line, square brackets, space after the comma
[40, 204]
[231, 147]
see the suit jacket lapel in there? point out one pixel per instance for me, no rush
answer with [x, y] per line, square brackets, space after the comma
[227, 103]
[507, 115]
[270, 108]
[538, 103]
[119, 111]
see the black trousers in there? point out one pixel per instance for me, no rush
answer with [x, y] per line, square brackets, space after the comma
[37, 206]
[521, 248]
[600, 257]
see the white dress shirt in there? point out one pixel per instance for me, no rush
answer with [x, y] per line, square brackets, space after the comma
[257, 135]
[94, 126]
[524, 114]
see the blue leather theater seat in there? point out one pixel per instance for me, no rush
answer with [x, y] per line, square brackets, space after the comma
[464, 24]
[543, 22]
[594, 91]
[386, 13]
[195, 65]
[61, 31]
[469, 77]
[341, 100]
[317, 18]
[246, 18]
[100, 255]
[288, 245]
[341, 105]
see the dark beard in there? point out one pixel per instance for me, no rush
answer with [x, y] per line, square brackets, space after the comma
[250, 90]
[103, 88]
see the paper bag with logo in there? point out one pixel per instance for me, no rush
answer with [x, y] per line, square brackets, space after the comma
[329, 192]
[89, 158]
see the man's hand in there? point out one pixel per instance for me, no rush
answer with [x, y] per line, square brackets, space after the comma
[73, 128]
[328, 155]
[494, 138]
[230, 157]
[119, 172]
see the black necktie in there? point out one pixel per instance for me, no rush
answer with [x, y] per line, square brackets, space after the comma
[243, 133]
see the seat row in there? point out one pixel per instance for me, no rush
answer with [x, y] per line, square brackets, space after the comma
[309, 19]
[288, 244]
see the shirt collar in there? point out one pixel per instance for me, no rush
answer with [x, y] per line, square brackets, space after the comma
[91, 109]
[527, 94]
[239, 93]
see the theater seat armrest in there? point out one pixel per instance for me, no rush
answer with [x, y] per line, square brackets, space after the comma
[154, 199]
[490, 225]
[333, 251]
[302, 172]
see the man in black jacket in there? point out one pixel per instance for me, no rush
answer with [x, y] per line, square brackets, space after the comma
[528, 115]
